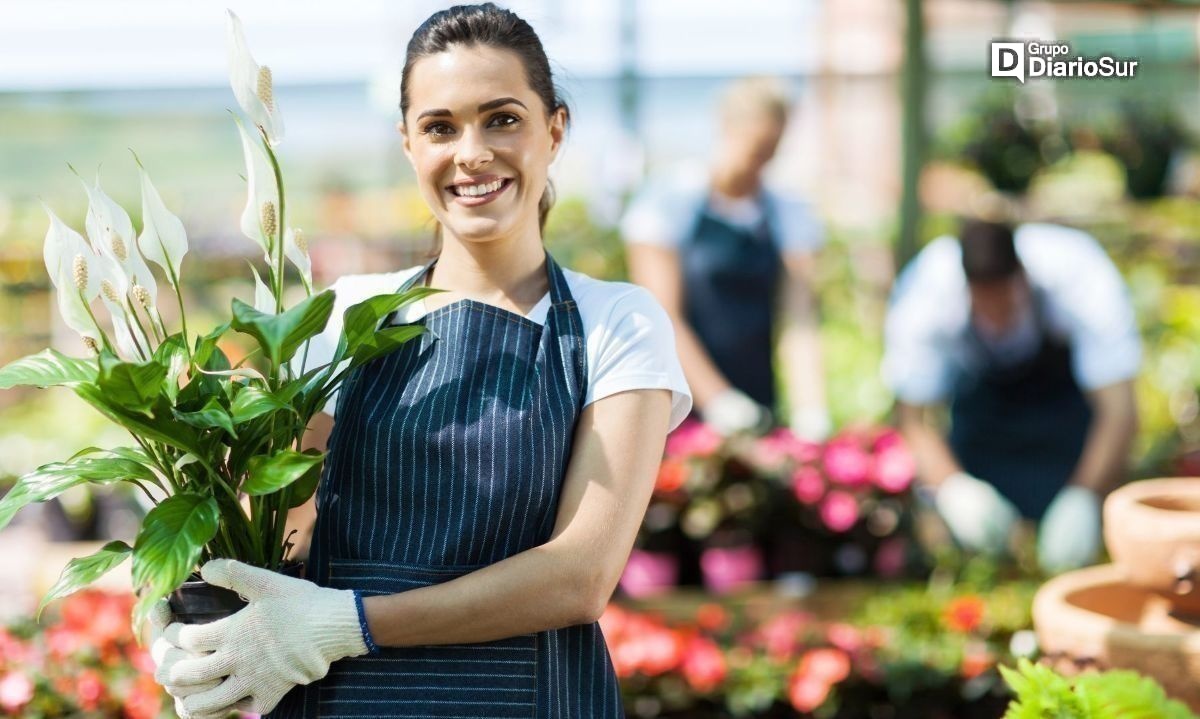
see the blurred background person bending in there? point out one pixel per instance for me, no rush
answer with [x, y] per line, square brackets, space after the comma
[1031, 341]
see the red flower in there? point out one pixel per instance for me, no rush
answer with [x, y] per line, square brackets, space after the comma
[839, 511]
[844, 637]
[846, 462]
[975, 661]
[830, 665]
[712, 616]
[144, 700]
[672, 475]
[780, 634]
[895, 467]
[703, 664]
[89, 689]
[808, 485]
[964, 614]
[807, 693]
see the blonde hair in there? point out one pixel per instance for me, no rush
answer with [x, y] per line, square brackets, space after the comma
[758, 94]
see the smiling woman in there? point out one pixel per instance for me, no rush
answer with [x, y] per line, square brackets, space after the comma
[483, 486]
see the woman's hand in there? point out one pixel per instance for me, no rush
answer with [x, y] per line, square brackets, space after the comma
[288, 634]
[166, 655]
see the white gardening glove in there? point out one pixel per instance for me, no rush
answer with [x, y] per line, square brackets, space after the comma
[166, 656]
[731, 412]
[1069, 536]
[289, 633]
[811, 423]
[979, 517]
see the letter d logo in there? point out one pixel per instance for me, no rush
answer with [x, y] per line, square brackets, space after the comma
[1008, 60]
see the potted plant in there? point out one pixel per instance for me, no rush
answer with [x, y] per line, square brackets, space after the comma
[217, 446]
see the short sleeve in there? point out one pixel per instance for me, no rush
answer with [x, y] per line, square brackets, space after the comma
[633, 347]
[800, 230]
[661, 214]
[1088, 300]
[919, 353]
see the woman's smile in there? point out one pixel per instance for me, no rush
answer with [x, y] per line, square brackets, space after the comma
[478, 191]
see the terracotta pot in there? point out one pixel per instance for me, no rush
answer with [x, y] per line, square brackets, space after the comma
[1094, 618]
[198, 602]
[1152, 529]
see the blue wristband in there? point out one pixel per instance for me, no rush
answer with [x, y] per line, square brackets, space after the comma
[372, 648]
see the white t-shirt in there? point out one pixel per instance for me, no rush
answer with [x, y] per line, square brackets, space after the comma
[665, 213]
[629, 337]
[1086, 303]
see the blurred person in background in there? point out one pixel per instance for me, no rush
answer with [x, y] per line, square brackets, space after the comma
[732, 261]
[1030, 338]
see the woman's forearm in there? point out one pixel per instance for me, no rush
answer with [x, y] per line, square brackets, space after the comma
[538, 589]
[703, 377]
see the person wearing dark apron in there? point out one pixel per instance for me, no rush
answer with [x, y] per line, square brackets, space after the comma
[1031, 341]
[485, 482]
[733, 261]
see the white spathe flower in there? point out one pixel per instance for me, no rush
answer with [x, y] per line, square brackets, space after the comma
[163, 240]
[62, 246]
[264, 301]
[260, 217]
[111, 232]
[252, 85]
[74, 311]
[296, 250]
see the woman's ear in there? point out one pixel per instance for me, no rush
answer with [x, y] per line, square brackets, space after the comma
[558, 128]
[404, 141]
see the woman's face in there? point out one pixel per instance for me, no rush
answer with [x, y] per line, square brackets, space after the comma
[480, 141]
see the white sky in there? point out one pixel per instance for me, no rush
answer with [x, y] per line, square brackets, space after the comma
[82, 44]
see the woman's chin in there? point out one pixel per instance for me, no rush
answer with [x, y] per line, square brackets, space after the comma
[479, 229]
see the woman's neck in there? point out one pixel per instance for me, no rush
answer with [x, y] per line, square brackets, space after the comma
[734, 185]
[506, 272]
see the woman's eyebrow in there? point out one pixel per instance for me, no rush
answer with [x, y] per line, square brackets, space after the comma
[489, 105]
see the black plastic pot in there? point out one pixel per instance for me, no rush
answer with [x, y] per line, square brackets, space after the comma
[198, 602]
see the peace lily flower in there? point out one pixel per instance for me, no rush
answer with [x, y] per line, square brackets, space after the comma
[264, 301]
[111, 232]
[68, 260]
[252, 84]
[260, 218]
[163, 240]
[296, 249]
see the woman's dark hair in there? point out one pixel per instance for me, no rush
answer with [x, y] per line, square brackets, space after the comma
[988, 251]
[495, 27]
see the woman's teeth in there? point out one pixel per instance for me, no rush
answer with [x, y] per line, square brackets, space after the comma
[476, 190]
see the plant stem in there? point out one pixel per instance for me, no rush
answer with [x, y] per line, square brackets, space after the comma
[280, 223]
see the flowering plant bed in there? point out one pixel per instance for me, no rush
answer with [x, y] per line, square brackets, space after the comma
[82, 660]
[728, 511]
[903, 652]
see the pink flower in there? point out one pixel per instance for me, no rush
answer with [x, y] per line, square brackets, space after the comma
[144, 700]
[846, 462]
[831, 665]
[693, 439]
[15, 691]
[703, 664]
[808, 485]
[839, 511]
[844, 637]
[781, 634]
[89, 689]
[807, 693]
[782, 444]
[895, 467]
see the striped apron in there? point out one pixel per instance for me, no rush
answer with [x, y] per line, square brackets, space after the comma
[448, 456]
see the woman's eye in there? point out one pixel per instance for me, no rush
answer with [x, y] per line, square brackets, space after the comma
[504, 119]
[438, 129]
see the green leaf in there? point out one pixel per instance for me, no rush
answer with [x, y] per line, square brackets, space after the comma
[173, 355]
[47, 368]
[83, 571]
[279, 335]
[251, 402]
[383, 342]
[132, 385]
[211, 415]
[360, 321]
[303, 488]
[267, 474]
[168, 546]
[50, 480]
[157, 428]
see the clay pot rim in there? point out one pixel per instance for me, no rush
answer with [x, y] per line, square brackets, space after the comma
[1127, 506]
[1075, 621]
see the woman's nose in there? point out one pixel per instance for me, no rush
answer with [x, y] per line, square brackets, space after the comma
[472, 152]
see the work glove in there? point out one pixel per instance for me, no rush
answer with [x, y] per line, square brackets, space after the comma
[978, 516]
[166, 656]
[811, 423]
[1069, 535]
[731, 412]
[289, 633]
